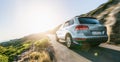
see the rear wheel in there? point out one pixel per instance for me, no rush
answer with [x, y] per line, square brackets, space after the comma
[68, 41]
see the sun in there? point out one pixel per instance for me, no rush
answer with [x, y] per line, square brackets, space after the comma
[37, 19]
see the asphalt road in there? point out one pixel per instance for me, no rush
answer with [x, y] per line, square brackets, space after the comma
[76, 54]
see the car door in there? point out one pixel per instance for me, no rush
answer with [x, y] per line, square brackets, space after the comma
[65, 29]
[62, 31]
[59, 32]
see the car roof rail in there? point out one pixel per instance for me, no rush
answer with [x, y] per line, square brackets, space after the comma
[86, 17]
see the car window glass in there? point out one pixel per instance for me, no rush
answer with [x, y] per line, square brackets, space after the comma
[61, 26]
[71, 22]
[66, 24]
[88, 21]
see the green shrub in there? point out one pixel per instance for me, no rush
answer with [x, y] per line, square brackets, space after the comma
[3, 58]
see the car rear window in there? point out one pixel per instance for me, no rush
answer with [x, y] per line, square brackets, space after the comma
[88, 21]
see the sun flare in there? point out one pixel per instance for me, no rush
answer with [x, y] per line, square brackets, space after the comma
[37, 17]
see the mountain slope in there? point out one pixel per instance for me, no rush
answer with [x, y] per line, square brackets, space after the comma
[109, 14]
[31, 48]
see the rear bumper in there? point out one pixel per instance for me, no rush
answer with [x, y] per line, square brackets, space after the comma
[90, 40]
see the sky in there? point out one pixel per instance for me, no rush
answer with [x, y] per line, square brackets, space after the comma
[19, 18]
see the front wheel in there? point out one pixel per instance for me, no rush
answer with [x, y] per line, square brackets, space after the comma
[95, 45]
[68, 41]
[57, 39]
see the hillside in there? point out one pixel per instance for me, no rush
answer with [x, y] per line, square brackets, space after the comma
[109, 14]
[31, 48]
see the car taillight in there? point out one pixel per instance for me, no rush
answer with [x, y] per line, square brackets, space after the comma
[81, 27]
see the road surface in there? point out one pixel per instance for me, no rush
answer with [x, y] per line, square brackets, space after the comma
[103, 53]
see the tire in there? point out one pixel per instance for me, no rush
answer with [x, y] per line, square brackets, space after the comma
[57, 39]
[95, 45]
[68, 40]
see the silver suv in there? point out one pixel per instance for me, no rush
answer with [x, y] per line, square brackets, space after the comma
[81, 30]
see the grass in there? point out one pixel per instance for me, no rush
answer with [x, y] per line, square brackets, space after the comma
[32, 47]
[39, 56]
[9, 53]
[3, 58]
[41, 44]
[38, 52]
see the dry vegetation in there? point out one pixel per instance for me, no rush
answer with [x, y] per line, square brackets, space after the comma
[109, 15]
[32, 48]
[38, 52]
